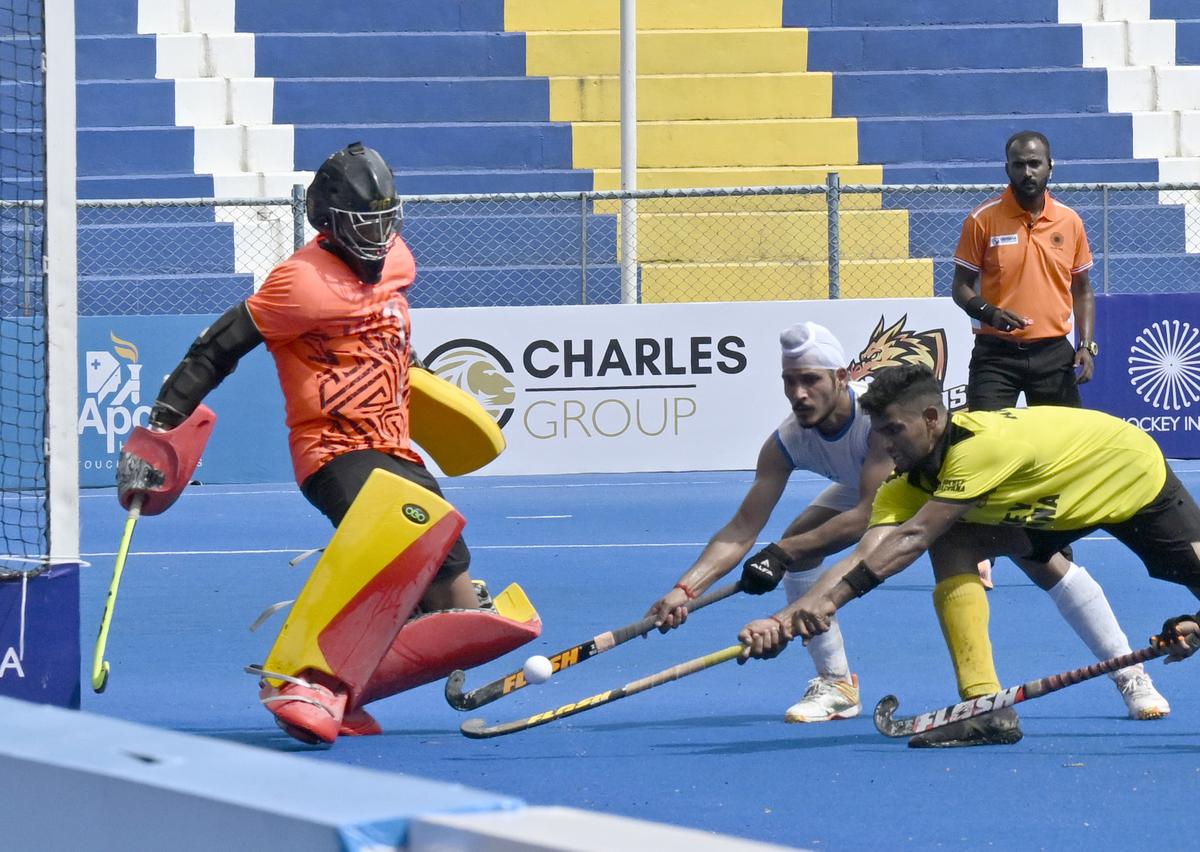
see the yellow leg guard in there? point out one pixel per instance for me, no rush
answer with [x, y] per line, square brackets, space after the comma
[451, 425]
[962, 608]
[430, 647]
[375, 570]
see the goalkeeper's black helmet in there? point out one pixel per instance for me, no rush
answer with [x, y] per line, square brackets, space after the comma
[352, 203]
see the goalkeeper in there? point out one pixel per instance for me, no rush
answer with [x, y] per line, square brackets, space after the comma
[335, 317]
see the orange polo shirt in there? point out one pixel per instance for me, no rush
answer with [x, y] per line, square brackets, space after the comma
[341, 350]
[1025, 266]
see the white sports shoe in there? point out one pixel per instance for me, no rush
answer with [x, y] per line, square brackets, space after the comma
[1142, 699]
[826, 699]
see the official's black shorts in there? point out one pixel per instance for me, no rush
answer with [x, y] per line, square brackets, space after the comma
[1001, 370]
[333, 488]
[1161, 534]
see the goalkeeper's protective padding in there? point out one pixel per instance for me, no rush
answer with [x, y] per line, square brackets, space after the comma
[450, 424]
[211, 357]
[428, 648]
[368, 581]
[159, 465]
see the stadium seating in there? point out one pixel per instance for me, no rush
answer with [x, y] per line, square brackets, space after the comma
[471, 96]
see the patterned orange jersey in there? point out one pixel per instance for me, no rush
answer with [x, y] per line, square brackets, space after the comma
[341, 349]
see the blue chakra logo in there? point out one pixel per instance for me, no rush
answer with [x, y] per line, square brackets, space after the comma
[1164, 365]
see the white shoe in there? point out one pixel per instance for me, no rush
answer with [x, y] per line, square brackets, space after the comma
[826, 699]
[1142, 699]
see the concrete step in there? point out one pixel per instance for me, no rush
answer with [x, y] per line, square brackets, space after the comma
[583, 54]
[900, 48]
[753, 235]
[389, 54]
[717, 144]
[695, 97]
[768, 281]
[306, 16]
[541, 15]
[969, 92]
[877, 13]
[499, 145]
[412, 99]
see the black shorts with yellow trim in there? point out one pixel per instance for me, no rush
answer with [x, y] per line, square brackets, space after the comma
[333, 488]
[1161, 533]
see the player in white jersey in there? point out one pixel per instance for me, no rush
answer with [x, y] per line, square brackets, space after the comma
[828, 433]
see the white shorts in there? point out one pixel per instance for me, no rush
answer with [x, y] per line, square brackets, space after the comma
[840, 498]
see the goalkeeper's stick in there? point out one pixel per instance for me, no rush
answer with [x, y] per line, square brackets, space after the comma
[572, 656]
[478, 729]
[99, 664]
[972, 707]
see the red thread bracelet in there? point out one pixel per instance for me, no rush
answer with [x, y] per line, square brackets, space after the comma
[691, 596]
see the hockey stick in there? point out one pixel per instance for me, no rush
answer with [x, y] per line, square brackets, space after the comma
[478, 729]
[969, 709]
[99, 664]
[572, 656]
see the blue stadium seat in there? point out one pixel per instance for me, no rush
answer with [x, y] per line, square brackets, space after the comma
[877, 13]
[411, 100]
[274, 16]
[945, 47]
[974, 92]
[402, 54]
[1187, 40]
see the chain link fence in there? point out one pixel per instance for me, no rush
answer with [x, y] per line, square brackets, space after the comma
[800, 242]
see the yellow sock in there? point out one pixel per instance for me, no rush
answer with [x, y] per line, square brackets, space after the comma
[962, 608]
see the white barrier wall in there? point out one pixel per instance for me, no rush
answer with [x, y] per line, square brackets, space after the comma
[615, 388]
[597, 388]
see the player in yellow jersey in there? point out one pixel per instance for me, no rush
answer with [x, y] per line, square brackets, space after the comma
[1019, 482]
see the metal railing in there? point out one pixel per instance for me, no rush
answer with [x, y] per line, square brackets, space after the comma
[798, 242]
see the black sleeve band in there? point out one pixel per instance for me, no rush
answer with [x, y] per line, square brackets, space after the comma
[861, 579]
[212, 356]
[977, 308]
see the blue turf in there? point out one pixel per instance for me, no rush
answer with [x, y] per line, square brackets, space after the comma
[710, 751]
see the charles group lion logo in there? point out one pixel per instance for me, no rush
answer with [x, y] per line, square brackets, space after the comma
[895, 345]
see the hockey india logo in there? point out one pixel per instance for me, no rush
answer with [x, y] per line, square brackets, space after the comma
[481, 370]
[893, 345]
[1164, 365]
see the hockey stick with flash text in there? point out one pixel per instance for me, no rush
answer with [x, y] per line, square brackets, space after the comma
[978, 706]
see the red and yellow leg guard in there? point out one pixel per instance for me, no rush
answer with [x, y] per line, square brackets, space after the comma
[375, 570]
[430, 647]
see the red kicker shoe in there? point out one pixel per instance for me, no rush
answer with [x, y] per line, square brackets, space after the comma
[309, 711]
[359, 723]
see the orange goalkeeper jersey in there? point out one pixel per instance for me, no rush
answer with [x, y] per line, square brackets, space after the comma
[341, 349]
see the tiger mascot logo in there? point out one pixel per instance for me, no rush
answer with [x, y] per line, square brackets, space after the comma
[894, 345]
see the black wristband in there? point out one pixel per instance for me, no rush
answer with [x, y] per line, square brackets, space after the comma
[977, 308]
[861, 579]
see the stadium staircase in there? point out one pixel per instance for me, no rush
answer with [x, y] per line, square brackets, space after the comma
[469, 96]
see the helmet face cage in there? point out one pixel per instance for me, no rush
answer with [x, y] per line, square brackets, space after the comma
[366, 235]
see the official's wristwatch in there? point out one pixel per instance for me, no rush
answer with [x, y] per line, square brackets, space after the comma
[1090, 346]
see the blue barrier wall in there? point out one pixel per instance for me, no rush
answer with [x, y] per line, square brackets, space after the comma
[123, 361]
[39, 637]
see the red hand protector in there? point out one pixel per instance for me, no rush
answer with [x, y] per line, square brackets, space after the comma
[172, 454]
